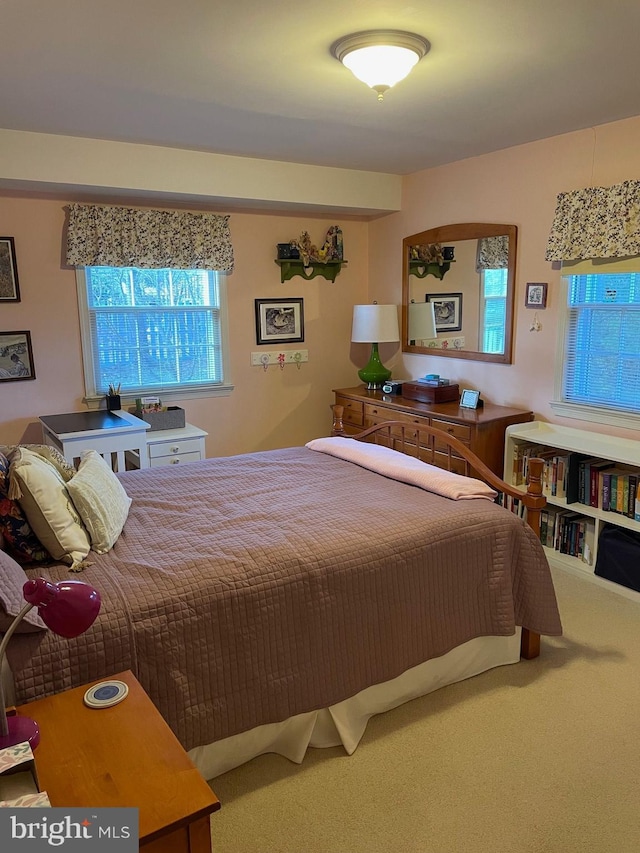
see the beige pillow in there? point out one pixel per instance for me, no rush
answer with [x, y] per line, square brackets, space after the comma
[100, 499]
[48, 506]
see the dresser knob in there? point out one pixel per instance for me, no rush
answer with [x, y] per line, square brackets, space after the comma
[175, 449]
[175, 461]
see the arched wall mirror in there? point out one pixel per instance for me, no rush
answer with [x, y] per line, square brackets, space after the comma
[467, 273]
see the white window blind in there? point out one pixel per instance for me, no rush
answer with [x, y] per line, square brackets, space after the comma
[152, 329]
[493, 310]
[602, 345]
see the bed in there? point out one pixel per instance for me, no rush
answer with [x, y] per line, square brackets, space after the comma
[276, 600]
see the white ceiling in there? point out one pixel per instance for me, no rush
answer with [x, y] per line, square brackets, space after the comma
[257, 78]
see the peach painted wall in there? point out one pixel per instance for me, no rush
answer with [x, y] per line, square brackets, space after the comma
[266, 410]
[518, 186]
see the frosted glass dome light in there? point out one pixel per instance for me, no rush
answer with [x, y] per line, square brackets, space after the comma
[380, 58]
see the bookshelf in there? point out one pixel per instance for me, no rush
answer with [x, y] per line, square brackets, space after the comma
[582, 445]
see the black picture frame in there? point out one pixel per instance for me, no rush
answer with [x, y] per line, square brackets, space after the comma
[16, 357]
[469, 399]
[9, 286]
[279, 321]
[536, 294]
[447, 309]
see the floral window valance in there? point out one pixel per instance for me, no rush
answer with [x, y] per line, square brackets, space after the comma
[492, 253]
[596, 222]
[150, 239]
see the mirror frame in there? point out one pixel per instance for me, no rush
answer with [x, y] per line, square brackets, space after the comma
[446, 234]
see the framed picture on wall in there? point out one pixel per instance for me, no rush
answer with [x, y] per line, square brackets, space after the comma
[279, 321]
[536, 294]
[9, 288]
[447, 309]
[16, 357]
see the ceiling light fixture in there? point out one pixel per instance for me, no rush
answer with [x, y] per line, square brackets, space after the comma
[380, 58]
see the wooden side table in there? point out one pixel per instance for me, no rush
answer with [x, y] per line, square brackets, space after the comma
[111, 434]
[123, 756]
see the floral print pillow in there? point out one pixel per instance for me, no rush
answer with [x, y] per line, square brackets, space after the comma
[22, 542]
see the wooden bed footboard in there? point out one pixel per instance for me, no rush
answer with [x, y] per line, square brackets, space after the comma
[436, 447]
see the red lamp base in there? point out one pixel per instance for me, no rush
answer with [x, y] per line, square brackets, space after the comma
[20, 729]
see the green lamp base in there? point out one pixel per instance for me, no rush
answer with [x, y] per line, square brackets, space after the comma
[374, 374]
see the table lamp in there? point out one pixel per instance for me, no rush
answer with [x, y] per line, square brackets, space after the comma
[422, 322]
[374, 324]
[68, 608]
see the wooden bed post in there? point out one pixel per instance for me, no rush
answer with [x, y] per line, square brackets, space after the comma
[338, 426]
[534, 488]
[530, 641]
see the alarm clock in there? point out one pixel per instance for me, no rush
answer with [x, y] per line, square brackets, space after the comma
[392, 386]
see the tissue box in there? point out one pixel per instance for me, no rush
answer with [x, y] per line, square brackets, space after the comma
[171, 418]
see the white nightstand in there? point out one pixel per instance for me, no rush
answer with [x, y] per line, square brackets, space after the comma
[175, 446]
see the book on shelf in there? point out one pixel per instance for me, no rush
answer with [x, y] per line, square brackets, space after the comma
[622, 491]
[595, 470]
[568, 532]
[522, 453]
[573, 477]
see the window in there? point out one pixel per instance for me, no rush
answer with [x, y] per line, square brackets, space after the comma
[152, 330]
[601, 365]
[493, 310]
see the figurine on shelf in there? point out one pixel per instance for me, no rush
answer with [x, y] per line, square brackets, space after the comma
[430, 253]
[331, 249]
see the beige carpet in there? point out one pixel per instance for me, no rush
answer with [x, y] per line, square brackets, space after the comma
[539, 757]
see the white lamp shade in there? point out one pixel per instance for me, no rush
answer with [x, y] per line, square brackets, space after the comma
[422, 321]
[380, 65]
[380, 58]
[375, 324]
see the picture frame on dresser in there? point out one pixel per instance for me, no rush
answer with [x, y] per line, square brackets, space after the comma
[16, 357]
[9, 287]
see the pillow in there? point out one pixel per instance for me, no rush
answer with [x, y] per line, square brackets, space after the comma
[12, 579]
[406, 469]
[100, 499]
[51, 454]
[48, 507]
[18, 536]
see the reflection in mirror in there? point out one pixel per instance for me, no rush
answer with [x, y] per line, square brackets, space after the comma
[466, 272]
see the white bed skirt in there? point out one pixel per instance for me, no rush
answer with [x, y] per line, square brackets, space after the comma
[345, 723]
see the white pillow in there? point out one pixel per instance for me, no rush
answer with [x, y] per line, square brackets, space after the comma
[100, 499]
[43, 496]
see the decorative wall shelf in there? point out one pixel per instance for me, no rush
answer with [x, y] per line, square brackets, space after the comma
[421, 269]
[328, 270]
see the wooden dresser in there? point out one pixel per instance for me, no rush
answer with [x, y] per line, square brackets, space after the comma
[483, 430]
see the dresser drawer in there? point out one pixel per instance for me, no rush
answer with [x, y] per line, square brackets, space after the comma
[179, 459]
[178, 447]
[459, 431]
[374, 414]
[353, 410]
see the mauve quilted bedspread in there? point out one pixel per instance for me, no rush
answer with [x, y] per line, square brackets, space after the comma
[244, 590]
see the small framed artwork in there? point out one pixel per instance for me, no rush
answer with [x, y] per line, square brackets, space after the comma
[279, 321]
[16, 357]
[470, 399]
[9, 288]
[536, 294]
[447, 309]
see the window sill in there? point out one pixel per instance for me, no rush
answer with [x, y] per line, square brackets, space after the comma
[97, 401]
[626, 420]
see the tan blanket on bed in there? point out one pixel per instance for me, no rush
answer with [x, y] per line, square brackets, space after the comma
[248, 589]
